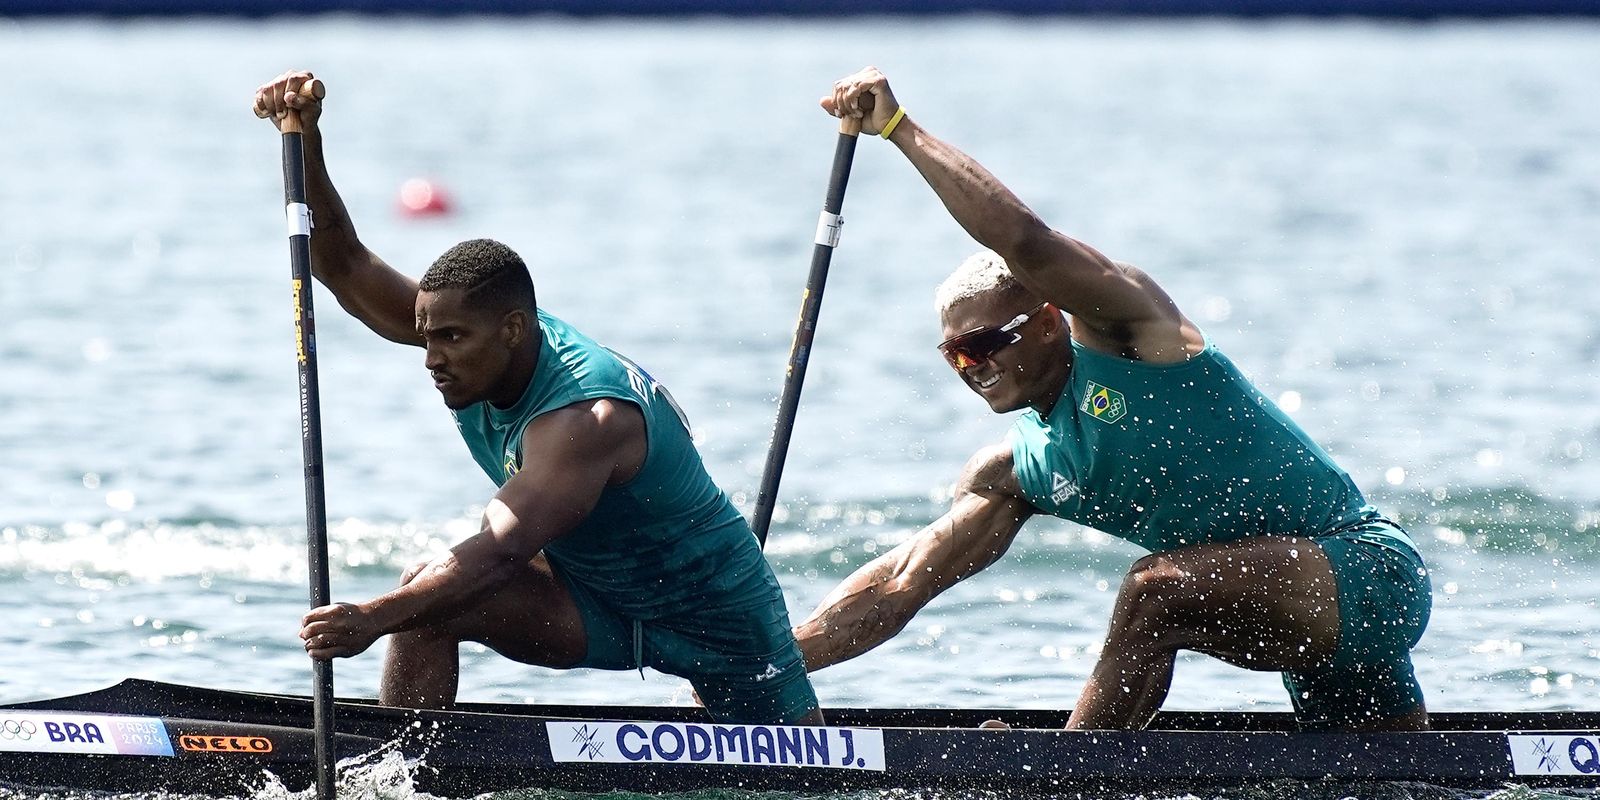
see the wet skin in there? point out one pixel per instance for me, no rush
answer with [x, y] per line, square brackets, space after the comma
[1029, 373]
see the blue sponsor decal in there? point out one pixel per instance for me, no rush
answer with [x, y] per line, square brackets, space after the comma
[692, 743]
[85, 733]
[1584, 755]
[68, 732]
[1555, 754]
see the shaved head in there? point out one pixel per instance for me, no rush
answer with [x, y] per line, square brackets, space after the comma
[491, 276]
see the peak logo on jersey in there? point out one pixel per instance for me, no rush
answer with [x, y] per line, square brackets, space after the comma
[1061, 488]
[1104, 403]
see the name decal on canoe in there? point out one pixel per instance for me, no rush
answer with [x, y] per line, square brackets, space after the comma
[225, 744]
[1554, 754]
[99, 734]
[695, 743]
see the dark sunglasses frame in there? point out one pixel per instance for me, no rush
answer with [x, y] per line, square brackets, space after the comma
[978, 345]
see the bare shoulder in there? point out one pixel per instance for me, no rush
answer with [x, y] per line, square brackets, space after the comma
[599, 428]
[611, 415]
[990, 471]
[1166, 337]
[1135, 274]
[1164, 307]
[1145, 281]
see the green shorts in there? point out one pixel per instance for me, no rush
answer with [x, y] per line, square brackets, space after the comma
[743, 661]
[1385, 598]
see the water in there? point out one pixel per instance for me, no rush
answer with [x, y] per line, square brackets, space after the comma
[1391, 227]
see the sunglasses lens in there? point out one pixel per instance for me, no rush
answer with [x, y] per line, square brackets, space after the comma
[957, 356]
[976, 347]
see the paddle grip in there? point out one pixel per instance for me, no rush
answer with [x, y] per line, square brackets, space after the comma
[851, 126]
[291, 120]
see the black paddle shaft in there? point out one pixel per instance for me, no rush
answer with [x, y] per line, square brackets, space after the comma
[810, 307]
[299, 221]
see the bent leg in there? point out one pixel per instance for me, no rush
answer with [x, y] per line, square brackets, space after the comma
[1263, 603]
[1385, 599]
[533, 619]
[743, 662]
[1361, 697]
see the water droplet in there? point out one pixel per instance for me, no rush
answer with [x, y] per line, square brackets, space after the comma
[1216, 308]
[96, 350]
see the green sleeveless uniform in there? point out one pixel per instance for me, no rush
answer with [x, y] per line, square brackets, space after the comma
[1170, 455]
[665, 569]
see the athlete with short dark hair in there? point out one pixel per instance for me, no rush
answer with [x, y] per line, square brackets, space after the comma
[607, 544]
[1263, 551]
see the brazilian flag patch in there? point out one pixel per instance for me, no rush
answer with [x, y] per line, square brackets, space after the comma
[1104, 403]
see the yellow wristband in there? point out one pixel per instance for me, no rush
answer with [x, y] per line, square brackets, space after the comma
[899, 114]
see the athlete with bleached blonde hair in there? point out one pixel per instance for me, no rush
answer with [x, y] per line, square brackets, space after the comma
[1263, 552]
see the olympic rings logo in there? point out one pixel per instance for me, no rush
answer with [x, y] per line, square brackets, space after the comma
[22, 730]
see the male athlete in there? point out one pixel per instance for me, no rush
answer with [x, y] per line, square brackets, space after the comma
[607, 545]
[1263, 552]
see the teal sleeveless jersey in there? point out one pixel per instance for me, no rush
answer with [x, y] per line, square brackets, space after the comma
[1168, 455]
[667, 541]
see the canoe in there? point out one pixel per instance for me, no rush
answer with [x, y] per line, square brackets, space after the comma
[148, 736]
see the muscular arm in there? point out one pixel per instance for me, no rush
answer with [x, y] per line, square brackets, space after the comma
[1121, 305]
[1117, 307]
[573, 454]
[369, 289]
[1055, 266]
[372, 291]
[877, 601]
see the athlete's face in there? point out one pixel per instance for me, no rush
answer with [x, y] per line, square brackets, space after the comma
[469, 349]
[1019, 374]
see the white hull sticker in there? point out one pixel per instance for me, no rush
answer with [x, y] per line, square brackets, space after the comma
[693, 743]
[1555, 754]
[66, 732]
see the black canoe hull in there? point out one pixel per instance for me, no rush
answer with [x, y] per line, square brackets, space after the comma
[226, 742]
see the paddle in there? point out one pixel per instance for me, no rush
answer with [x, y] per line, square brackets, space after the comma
[305, 334]
[827, 239]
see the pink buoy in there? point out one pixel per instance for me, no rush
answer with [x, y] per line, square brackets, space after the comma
[420, 198]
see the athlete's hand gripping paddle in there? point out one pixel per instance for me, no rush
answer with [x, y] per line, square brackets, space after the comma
[299, 219]
[828, 227]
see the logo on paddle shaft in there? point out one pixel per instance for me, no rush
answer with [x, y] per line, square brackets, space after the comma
[1104, 403]
[299, 323]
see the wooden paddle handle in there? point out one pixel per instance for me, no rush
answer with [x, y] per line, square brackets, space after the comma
[291, 120]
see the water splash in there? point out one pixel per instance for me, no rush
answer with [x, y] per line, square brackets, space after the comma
[382, 774]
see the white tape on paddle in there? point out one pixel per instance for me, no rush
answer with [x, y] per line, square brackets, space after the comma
[299, 219]
[828, 227]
